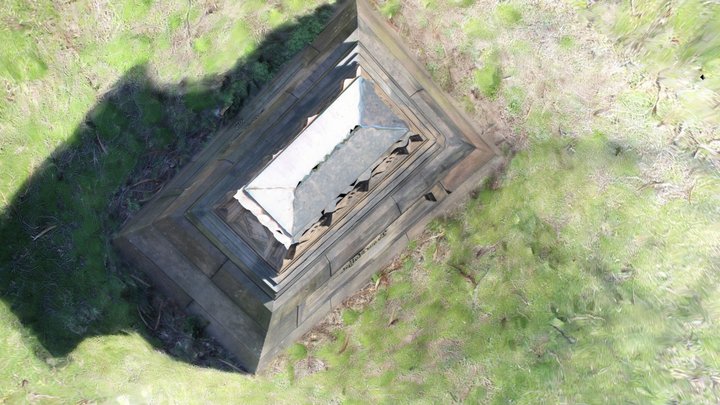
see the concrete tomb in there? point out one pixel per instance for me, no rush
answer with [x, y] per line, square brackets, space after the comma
[318, 184]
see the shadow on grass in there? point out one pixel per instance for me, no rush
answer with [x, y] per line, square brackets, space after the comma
[58, 272]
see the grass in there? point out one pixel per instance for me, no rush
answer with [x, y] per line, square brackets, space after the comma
[588, 272]
[390, 8]
[487, 78]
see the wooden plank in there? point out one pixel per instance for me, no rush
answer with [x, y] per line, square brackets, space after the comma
[364, 230]
[267, 136]
[342, 24]
[230, 340]
[271, 351]
[458, 196]
[148, 213]
[135, 257]
[386, 86]
[235, 248]
[188, 240]
[294, 71]
[351, 282]
[284, 321]
[342, 227]
[405, 196]
[375, 261]
[213, 172]
[245, 139]
[303, 79]
[259, 237]
[244, 293]
[434, 112]
[464, 170]
[433, 170]
[367, 254]
[324, 64]
[201, 289]
[477, 178]
[315, 275]
[376, 51]
[422, 210]
[371, 22]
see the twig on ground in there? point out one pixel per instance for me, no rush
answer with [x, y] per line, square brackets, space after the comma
[227, 363]
[104, 149]
[567, 337]
[435, 236]
[142, 182]
[701, 146]
[483, 250]
[690, 191]
[657, 97]
[465, 275]
[586, 317]
[651, 183]
[139, 280]
[157, 322]
[392, 319]
[142, 318]
[187, 24]
[345, 344]
[35, 397]
[45, 231]
[234, 367]
[144, 200]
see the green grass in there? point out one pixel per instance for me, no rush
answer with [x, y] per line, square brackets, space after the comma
[678, 44]
[390, 7]
[509, 14]
[487, 79]
[588, 273]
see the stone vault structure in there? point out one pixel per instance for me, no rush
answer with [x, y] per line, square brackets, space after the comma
[319, 183]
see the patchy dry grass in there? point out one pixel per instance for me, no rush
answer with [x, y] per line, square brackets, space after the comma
[587, 273]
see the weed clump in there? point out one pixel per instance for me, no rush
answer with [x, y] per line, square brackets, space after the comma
[390, 8]
[508, 14]
[487, 79]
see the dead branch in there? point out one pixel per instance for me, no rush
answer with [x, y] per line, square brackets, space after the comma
[392, 319]
[142, 318]
[227, 363]
[104, 149]
[657, 96]
[465, 275]
[567, 337]
[139, 280]
[45, 231]
[144, 200]
[344, 345]
[157, 322]
[143, 182]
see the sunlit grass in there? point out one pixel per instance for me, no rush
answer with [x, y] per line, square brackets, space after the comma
[587, 274]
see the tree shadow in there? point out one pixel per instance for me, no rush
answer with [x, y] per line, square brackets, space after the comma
[58, 272]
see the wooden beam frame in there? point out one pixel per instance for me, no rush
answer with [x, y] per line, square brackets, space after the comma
[214, 260]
